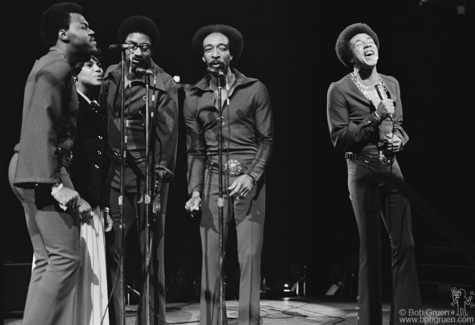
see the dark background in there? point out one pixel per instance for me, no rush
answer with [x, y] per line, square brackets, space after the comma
[289, 46]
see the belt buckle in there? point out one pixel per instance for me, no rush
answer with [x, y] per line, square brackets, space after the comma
[233, 167]
[366, 158]
[385, 160]
[208, 164]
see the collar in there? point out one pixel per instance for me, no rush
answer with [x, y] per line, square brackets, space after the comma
[84, 96]
[87, 99]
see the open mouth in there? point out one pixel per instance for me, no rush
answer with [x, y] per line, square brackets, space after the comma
[369, 53]
[216, 64]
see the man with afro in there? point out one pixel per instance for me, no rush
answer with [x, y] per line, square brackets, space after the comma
[141, 36]
[365, 119]
[39, 171]
[247, 141]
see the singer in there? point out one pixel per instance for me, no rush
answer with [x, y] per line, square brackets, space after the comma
[142, 35]
[366, 124]
[247, 140]
[89, 171]
[39, 171]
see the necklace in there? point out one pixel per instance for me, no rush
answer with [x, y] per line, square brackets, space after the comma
[365, 89]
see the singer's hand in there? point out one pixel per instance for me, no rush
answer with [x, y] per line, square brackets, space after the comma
[193, 205]
[68, 198]
[241, 186]
[108, 220]
[385, 108]
[394, 143]
[85, 210]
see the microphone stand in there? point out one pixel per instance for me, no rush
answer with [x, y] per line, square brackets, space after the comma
[121, 196]
[147, 201]
[220, 202]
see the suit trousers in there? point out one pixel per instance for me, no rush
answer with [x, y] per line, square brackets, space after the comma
[54, 234]
[133, 210]
[373, 202]
[249, 215]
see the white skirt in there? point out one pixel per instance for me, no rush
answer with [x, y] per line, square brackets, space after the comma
[92, 285]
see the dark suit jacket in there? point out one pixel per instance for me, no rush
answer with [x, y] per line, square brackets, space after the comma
[164, 122]
[91, 159]
[352, 124]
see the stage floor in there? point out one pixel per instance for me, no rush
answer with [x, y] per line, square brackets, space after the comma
[297, 311]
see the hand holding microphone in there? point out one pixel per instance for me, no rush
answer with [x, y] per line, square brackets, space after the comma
[386, 107]
[386, 110]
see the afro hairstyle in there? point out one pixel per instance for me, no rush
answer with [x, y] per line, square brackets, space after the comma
[55, 18]
[236, 41]
[343, 46]
[139, 24]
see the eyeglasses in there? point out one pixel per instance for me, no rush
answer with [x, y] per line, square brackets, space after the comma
[145, 48]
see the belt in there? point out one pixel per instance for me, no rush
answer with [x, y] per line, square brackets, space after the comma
[367, 158]
[232, 167]
[65, 157]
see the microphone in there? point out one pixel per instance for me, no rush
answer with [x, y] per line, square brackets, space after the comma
[219, 74]
[382, 95]
[381, 92]
[142, 71]
[216, 72]
[387, 123]
[119, 47]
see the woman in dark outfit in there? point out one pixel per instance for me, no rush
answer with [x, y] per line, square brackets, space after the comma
[89, 172]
